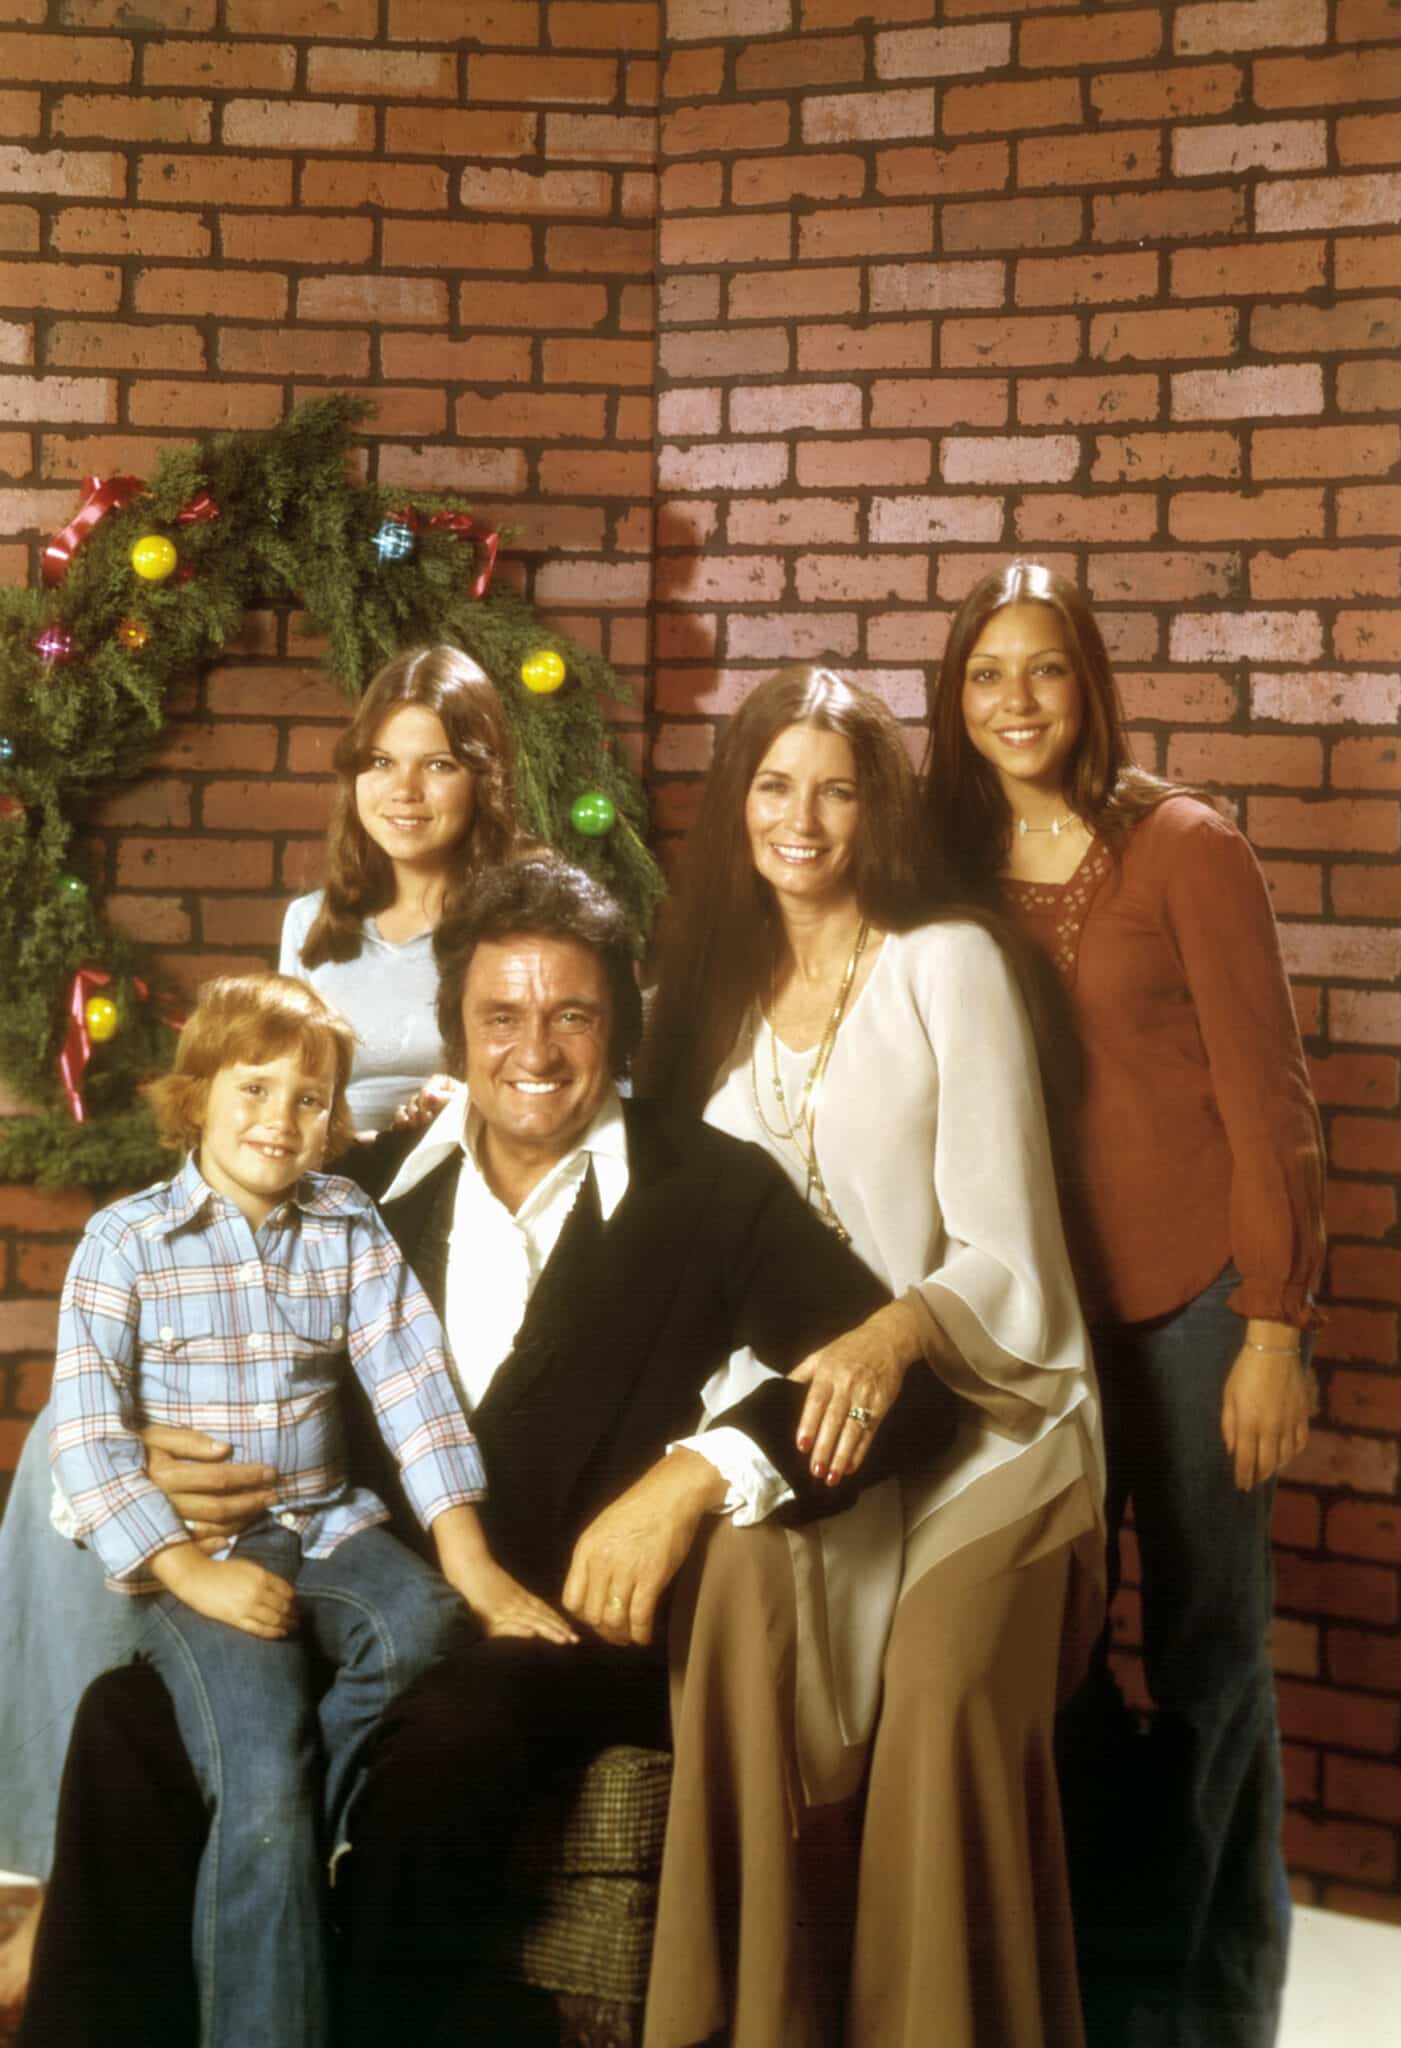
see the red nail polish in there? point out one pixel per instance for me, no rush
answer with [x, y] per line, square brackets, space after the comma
[804, 1444]
[833, 1476]
[816, 1470]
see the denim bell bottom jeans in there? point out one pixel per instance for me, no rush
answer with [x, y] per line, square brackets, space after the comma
[1181, 1892]
[275, 1732]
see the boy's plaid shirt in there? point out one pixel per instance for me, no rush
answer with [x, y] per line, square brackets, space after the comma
[174, 1312]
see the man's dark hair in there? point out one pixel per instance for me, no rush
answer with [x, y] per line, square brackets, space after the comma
[538, 899]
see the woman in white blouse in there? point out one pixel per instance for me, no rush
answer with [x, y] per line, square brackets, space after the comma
[425, 798]
[864, 1839]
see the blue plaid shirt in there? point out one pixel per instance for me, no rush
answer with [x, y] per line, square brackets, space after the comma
[174, 1311]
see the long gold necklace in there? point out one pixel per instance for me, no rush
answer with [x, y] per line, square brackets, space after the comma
[801, 1131]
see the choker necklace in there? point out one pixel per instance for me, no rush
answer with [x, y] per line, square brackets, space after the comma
[1055, 828]
[801, 1131]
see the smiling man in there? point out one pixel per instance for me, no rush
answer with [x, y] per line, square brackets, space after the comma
[596, 1263]
[605, 1271]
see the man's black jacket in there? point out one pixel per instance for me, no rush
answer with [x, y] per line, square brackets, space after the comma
[710, 1249]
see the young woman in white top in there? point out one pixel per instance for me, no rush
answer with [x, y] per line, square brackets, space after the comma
[864, 1839]
[425, 798]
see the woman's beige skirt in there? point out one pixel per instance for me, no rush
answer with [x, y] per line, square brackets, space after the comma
[935, 1908]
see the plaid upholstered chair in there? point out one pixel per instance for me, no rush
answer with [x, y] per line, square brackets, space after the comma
[586, 1870]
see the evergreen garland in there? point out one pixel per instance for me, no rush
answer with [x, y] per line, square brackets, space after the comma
[292, 526]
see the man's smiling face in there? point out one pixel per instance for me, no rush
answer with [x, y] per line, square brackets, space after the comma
[538, 1021]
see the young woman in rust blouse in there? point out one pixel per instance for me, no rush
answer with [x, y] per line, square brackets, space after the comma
[1192, 1181]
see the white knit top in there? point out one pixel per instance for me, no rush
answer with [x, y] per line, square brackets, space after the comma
[389, 994]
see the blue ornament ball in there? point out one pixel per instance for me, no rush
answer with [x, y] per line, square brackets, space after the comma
[395, 541]
[593, 814]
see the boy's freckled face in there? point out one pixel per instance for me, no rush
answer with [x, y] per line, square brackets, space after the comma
[264, 1127]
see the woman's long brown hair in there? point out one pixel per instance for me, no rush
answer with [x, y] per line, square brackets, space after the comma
[360, 875]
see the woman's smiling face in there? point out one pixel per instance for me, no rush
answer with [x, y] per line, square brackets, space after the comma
[1022, 702]
[413, 796]
[803, 813]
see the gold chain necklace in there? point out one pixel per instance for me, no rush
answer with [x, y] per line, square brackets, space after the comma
[801, 1132]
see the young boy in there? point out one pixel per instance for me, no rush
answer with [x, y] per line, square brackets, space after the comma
[229, 1299]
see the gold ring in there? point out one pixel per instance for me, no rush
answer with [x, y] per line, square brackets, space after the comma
[862, 1417]
[613, 1601]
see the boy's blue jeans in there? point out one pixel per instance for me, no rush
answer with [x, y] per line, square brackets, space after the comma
[1182, 1900]
[275, 1732]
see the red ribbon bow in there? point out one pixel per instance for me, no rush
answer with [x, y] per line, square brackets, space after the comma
[100, 498]
[200, 508]
[77, 1040]
[466, 528]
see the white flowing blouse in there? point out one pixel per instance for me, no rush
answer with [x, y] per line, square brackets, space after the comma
[931, 1139]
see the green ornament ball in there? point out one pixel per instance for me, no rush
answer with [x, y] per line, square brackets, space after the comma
[593, 814]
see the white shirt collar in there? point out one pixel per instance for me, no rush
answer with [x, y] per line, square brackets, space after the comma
[457, 1127]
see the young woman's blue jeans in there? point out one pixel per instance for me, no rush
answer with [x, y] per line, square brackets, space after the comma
[59, 1627]
[275, 1731]
[1181, 1892]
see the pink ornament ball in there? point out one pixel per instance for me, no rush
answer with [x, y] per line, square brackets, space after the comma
[54, 646]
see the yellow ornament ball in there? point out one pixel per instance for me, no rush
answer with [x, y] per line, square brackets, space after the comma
[102, 1017]
[154, 557]
[543, 672]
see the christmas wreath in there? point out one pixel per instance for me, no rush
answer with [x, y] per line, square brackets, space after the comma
[141, 591]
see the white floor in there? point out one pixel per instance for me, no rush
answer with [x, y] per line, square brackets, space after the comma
[1344, 1988]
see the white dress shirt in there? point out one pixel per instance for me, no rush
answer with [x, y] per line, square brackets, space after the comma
[495, 1259]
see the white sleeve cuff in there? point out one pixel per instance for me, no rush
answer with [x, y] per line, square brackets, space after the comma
[753, 1486]
[61, 1515]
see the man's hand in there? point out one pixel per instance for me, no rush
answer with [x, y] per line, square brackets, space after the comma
[1264, 1414]
[629, 1555]
[214, 1499]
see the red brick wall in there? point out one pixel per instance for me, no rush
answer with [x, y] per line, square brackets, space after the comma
[1118, 285]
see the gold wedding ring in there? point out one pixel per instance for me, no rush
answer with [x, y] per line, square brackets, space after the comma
[613, 1601]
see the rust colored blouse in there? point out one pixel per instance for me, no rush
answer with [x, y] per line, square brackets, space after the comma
[1196, 1142]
